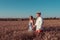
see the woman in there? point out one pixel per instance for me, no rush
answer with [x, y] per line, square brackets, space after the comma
[31, 23]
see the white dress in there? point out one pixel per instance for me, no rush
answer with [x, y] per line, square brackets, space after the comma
[30, 26]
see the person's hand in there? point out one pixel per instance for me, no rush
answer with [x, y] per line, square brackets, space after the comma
[33, 26]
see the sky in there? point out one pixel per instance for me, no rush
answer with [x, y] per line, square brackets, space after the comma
[26, 8]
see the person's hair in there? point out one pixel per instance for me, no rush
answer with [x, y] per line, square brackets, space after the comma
[39, 13]
[31, 17]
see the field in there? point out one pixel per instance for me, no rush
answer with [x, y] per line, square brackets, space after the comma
[17, 30]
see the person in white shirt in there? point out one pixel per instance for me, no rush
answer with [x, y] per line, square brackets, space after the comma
[38, 23]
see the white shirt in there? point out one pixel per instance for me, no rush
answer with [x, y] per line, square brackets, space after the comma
[38, 23]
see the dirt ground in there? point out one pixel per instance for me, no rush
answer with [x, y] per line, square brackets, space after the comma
[17, 30]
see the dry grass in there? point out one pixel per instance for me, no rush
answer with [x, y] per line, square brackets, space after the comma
[17, 30]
